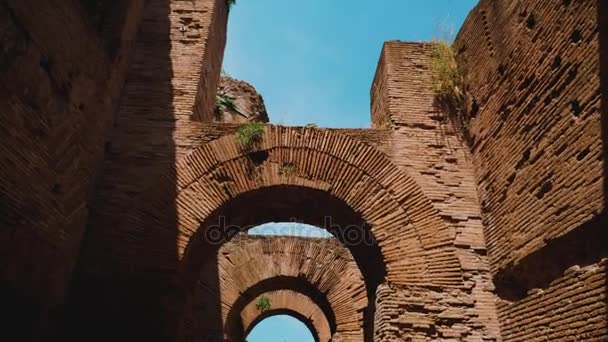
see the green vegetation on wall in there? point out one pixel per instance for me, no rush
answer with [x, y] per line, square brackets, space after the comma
[449, 85]
[250, 135]
[262, 304]
[223, 102]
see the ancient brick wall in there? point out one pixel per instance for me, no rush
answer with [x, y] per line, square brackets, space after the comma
[405, 313]
[536, 161]
[155, 123]
[426, 145]
[533, 69]
[177, 55]
[533, 73]
[572, 308]
[58, 90]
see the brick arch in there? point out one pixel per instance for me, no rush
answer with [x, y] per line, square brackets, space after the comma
[321, 269]
[416, 245]
[292, 303]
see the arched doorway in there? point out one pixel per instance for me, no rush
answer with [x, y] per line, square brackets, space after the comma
[222, 189]
[295, 273]
[287, 302]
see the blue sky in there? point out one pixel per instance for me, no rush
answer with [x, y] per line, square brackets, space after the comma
[313, 61]
[289, 229]
[291, 330]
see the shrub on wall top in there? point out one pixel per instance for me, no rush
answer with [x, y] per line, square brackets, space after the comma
[250, 135]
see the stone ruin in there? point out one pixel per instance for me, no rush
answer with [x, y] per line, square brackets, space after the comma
[124, 197]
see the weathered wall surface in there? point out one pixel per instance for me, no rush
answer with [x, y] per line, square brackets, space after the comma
[405, 313]
[58, 90]
[177, 56]
[533, 70]
[424, 143]
[573, 308]
[169, 90]
[538, 154]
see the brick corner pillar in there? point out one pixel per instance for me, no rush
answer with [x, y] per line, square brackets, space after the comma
[198, 41]
[401, 89]
[426, 145]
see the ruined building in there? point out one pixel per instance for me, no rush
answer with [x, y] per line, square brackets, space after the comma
[120, 192]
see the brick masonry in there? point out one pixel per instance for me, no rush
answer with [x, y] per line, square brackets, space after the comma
[58, 91]
[248, 265]
[112, 144]
[534, 73]
[426, 145]
[534, 70]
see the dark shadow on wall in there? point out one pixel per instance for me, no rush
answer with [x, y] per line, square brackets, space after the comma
[53, 121]
[124, 288]
[602, 7]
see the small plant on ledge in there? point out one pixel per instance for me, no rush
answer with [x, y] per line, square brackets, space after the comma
[250, 135]
[230, 3]
[262, 304]
[449, 85]
[311, 125]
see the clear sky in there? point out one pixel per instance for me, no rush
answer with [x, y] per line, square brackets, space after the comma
[313, 61]
[281, 328]
[289, 229]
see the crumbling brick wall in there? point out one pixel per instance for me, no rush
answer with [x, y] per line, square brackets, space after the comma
[426, 145]
[533, 71]
[573, 308]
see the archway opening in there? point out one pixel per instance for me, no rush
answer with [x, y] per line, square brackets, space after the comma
[280, 327]
[238, 324]
[287, 204]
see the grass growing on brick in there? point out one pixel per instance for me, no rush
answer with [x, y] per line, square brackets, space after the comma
[449, 85]
[250, 135]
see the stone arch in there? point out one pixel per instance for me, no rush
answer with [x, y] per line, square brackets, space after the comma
[322, 270]
[415, 244]
[291, 303]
